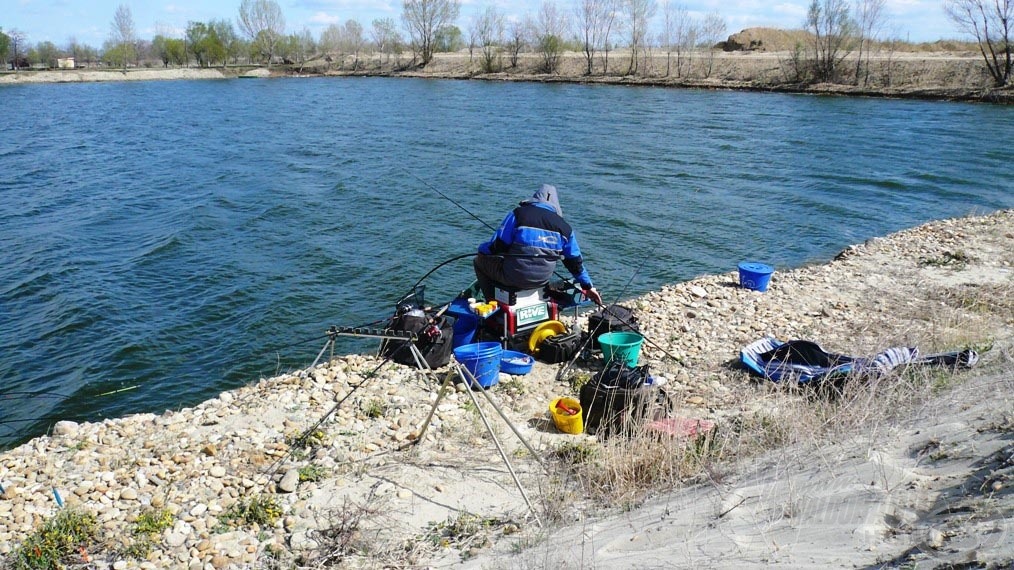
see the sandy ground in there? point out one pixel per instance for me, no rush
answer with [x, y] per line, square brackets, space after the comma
[934, 492]
[77, 76]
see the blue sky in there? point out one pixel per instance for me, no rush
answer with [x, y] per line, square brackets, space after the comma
[89, 20]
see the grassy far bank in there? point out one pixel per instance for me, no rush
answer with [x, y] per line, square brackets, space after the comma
[769, 60]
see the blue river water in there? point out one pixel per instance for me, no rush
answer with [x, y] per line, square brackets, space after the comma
[161, 242]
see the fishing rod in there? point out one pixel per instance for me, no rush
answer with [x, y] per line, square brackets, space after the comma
[606, 309]
[305, 435]
[483, 222]
[448, 198]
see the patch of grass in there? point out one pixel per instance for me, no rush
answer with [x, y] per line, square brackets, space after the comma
[992, 299]
[61, 540]
[578, 380]
[262, 510]
[468, 531]
[303, 445]
[375, 409]
[953, 259]
[576, 453]
[342, 538]
[313, 472]
[147, 527]
[514, 386]
[153, 521]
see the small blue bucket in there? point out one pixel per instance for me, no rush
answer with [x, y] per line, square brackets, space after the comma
[482, 360]
[755, 276]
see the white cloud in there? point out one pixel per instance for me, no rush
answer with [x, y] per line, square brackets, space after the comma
[324, 19]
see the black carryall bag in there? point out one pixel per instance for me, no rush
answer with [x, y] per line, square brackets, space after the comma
[618, 400]
[559, 347]
[611, 319]
[432, 339]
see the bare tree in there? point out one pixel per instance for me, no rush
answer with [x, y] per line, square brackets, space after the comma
[424, 19]
[991, 23]
[517, 39]
[666, 36]
[353, 40]
[385, 36]
[5, 47]
[594, 21]
[489, 35]
[549, 28]
[473, 38]
[330, 43]
[19, 44]
[122, 33]
[833, 31]
[869, 18]
[262, 21]
[686, 30]
[712, 31]
[638, 14]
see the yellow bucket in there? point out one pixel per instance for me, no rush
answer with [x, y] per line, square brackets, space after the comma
[566, 422]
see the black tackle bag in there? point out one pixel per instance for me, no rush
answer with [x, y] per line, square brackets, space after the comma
[559, 347]
[611, 319]
[618, 400]
[432, 339]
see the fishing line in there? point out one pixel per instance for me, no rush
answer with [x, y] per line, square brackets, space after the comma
[448, 198]
[606, 311]
[301, 440]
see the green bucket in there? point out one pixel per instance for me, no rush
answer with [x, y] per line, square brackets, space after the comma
[621, 345]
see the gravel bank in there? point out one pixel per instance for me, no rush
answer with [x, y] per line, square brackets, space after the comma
[939, 286]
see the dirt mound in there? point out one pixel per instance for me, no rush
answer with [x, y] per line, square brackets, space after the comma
[764, 39]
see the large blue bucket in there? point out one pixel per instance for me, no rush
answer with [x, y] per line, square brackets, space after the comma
[482, 359]
[754, 275]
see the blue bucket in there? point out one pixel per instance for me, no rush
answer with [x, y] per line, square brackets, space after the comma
[754, 276]
[482, 360]
[465, 328]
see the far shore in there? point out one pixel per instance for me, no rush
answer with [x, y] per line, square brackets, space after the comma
[947, 76]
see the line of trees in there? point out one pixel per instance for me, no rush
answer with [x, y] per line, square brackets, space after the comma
[843, 35]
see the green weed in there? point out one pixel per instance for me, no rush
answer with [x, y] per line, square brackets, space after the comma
[57, 542]
[260, 510]
[313, 473]
[375, 409]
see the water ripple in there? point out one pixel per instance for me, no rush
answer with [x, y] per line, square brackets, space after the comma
[173, 235]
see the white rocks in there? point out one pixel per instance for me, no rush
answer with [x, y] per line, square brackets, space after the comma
[217, 471]
[289, 481]
[66, 427]
[301, 541]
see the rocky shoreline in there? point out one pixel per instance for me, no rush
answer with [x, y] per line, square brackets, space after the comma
[924, 286]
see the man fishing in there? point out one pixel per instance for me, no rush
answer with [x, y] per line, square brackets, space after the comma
[523, 252]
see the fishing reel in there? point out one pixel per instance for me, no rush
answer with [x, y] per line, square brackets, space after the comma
[431, 332]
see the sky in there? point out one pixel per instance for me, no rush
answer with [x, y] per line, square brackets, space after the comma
[89, 21]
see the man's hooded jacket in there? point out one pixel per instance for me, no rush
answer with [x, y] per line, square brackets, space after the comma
[532, 238]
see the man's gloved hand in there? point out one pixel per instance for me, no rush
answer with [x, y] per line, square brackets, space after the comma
[593, 294]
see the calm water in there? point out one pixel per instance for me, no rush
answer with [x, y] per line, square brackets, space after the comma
[183, 238]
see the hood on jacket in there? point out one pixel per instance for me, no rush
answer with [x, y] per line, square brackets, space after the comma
[547, 194]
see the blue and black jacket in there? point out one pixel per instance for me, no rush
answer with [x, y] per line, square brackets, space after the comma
[532, 238]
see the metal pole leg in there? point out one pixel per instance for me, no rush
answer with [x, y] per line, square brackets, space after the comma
[499, 448]
[433, 410]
